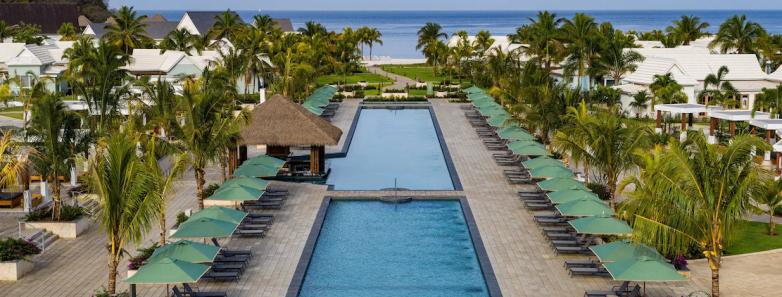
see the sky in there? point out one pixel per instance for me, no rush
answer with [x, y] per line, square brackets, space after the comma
[448, 4]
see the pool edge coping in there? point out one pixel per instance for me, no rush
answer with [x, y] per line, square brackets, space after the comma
[452, 173]
[487, 270]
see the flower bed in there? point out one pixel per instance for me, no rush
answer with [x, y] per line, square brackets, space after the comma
[14, 258]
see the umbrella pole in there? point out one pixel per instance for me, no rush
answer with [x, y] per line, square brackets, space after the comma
[132, 290]
[644, 289]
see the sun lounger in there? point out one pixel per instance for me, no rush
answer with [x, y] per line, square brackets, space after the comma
[224, 258]
[224, 267]
[250, 233]
[599, 271]
[562, 229]
[189, 291]
[221, 276]
[559, 235]
[539, 206]
[250, 226]
[584, 263]
[615, 291]
[571, 250]
[546, 221]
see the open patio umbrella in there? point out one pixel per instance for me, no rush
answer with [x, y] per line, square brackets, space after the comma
[473, 90]
[516, 144]
[252, 182]
[601, 225]
[550, 172]
[501, 121]
[558, 184]
[542, 162]
[623, 250]
[168, 271]
[236, 193]
[265, 160]
[570, 195]
[584, 207]
[514, 133]
[205, 227]
[186, 250]
[220, 213]
[643, 269]
[256, 170]
[529, 150]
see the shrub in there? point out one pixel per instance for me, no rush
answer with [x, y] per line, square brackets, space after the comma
[394, 91]
[135, 263]
[248, 98]
[338, 96]
[102, 293]
[359, 94]
[181, 217]
[12, 249]
[408, 99]
[68, 213]
[778, 211]
[599, 189]
[210, 189]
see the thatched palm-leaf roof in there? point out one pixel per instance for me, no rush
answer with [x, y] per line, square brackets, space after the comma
[281, 122]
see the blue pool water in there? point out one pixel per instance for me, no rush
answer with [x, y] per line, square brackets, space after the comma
[392, 144]
[371, 248]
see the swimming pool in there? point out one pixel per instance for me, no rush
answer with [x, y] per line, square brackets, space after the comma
[392, 145]
[372, 248]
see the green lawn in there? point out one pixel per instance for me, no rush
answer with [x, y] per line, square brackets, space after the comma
[415, 72]
[12, 112]
[353, 78]
[753, 237]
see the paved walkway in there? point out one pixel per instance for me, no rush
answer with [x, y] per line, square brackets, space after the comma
[400, 82]
[751, 275]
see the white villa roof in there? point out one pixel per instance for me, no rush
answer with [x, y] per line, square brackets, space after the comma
[652, 66]
[681, 108]
[147, 60]
[10, 50]
[698, 62]
[767, 124]
[649, 43]
[737, 115]
[631, 89]
[776, 75]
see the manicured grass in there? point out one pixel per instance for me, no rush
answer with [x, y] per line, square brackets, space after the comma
[12, 112]
[416, 72]
[753, 237]
[353, 78]
[415, 92]
[11, 109]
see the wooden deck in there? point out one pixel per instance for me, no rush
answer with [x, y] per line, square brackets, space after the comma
[524, 263]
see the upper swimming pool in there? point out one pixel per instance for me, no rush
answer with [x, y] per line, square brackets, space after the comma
[371, 248]
[392, 145]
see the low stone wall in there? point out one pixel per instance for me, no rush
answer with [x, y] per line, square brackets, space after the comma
[14, 270]
[393, 95]
[63, 229]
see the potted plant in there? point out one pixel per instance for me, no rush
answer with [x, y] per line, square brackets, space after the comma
[14, 258]
[181, 217]
[72, 221]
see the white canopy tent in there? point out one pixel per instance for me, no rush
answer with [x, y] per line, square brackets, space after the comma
[732, 116]
[685, 109]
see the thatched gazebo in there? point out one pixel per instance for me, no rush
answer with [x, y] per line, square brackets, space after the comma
[279, 123]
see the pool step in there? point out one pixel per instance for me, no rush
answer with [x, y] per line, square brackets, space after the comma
[396, 199]
[42, 239]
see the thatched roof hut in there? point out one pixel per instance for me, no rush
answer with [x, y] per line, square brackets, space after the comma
[281, 122]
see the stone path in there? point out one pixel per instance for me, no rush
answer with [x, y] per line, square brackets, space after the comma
[400, 82]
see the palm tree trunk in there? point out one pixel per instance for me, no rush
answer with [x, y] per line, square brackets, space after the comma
[715, 281]
[113, 263]
[224, 166]
[199, 177]
[57, 207]
[162, 222]
[370, 51]
[771, 224]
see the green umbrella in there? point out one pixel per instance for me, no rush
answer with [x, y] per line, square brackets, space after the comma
[558, 184]
[529, 150]
[542, 162]
[168, 271]
[551, 172]
[601, 225]
[623, 250]
[220, 213]
[501, 120]
[236, 193]
[643, 269]
[186, 250]
[584, 207]
[255, 170]
[473, 90]
[252, 182]
[515, 133]
[265, 160]
[205, 227]
[569, 195]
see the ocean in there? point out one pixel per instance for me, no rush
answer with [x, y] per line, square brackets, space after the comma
[399, 28]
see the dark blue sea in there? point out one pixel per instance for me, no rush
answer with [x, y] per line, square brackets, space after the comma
[399, 27]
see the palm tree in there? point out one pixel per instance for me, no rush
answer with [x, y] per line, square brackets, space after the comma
[53, 133]
[128, 31]
[429, 34]
[687, 29]
[373, 36]
[159, 107]
[605, 141]
[226, 25]
[165, 163]
[179, 40]
[580, 32]
[723, 92]
[264, 22]
[463, 50]
[666, 90]
[436, 54]
[694, 194]
[544, 38]
[13, 161]
[738, 35]
[771, 198]
[312, 29]
[769, 100]
[617, 60]
[6, 31]
[483, 42]
[207, 105]
[640, 102]
[124, 190]
[67, 32]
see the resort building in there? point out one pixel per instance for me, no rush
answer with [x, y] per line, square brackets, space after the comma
[689, 66]
[30, 62]
[501, 42]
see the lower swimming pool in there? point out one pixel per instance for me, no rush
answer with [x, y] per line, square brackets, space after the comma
[372, 248]
[393, 147]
